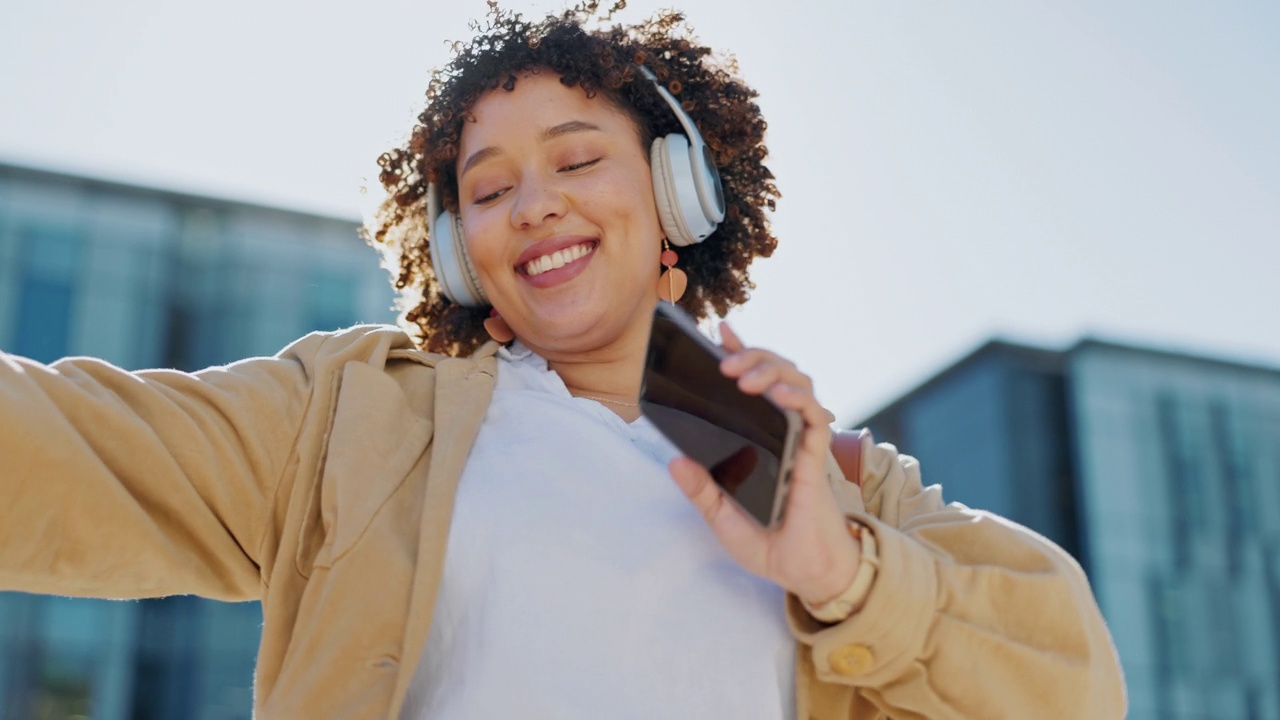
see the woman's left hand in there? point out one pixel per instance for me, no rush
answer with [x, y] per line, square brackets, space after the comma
[809, 551]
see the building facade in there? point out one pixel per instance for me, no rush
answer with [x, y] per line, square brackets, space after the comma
[1159, 471]
[148, 278]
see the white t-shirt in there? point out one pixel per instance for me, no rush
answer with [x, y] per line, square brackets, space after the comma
[579, 582]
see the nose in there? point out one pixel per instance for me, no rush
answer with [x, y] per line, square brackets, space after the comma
[537, 201]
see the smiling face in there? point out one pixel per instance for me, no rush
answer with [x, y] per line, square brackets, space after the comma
[556, 201]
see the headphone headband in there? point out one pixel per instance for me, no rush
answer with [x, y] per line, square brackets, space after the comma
[710, 191]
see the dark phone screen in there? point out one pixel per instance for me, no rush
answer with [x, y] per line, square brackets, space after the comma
[739, 438]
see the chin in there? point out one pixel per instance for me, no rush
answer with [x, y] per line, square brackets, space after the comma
[576, 334]
[590, 321]
[573, 334]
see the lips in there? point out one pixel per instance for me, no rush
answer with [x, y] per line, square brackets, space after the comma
[555, 260]
[549, 247]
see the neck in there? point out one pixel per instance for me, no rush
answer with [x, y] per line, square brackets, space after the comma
[614, 381]
[610, 373]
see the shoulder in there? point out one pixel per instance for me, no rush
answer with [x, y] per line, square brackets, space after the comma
[382, 350]
[370, 344]
[373, 344]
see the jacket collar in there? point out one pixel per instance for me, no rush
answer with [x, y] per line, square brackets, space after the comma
[422, 357]
[463, 389]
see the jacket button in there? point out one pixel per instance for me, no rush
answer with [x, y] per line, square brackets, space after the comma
[851, 660]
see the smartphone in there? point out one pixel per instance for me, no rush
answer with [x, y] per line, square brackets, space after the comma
[746, 442]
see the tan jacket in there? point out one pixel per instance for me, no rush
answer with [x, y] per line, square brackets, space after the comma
[321, 482]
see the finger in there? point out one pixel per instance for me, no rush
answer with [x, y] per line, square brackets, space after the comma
[810, 501]
[811, 455]
[747, 358]
[802, 400]
[729, 338]
[769, 373]
[806, 499]
[817, 434]
[760, 378]
[810, 464]
[742, 537]
[752, 360]
[817, 442]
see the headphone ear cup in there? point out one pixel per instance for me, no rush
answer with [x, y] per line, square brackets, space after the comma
[454, 272]
[475, 289]
[684, 216]
[665, 195]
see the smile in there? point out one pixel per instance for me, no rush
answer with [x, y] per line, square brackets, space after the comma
[558, 259]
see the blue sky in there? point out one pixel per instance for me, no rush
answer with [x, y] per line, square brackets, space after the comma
[950, 171]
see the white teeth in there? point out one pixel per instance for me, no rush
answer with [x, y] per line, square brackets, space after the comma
[557, 259]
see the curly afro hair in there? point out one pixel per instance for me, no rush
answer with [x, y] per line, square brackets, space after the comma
[602, 60]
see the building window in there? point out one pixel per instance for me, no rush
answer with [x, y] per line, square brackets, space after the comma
[168, 659]
[46, 294]
[331, 301]
[1186, 499]
[1237, 482]
[1170, 655]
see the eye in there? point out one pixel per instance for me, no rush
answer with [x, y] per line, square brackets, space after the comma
[579, 166]
[489, 198]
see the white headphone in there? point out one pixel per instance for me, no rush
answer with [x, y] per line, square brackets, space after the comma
[686, 188]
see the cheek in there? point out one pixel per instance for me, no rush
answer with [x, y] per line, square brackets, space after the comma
[483, 240]
[627, 201]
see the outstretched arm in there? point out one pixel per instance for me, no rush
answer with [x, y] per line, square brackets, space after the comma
[120, 484]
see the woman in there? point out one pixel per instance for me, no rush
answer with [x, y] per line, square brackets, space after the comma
[452, 526]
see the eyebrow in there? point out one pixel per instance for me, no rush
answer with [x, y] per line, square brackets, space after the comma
[551, 133]
[572, 126]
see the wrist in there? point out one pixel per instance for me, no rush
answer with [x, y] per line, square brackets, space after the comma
[845, 559]
[833, 584]
[856, 584]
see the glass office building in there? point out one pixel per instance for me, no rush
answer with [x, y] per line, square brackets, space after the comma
[148, 278]
[1159, 471]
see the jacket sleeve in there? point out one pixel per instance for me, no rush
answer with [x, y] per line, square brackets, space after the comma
[969, 616]
[138, 484]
